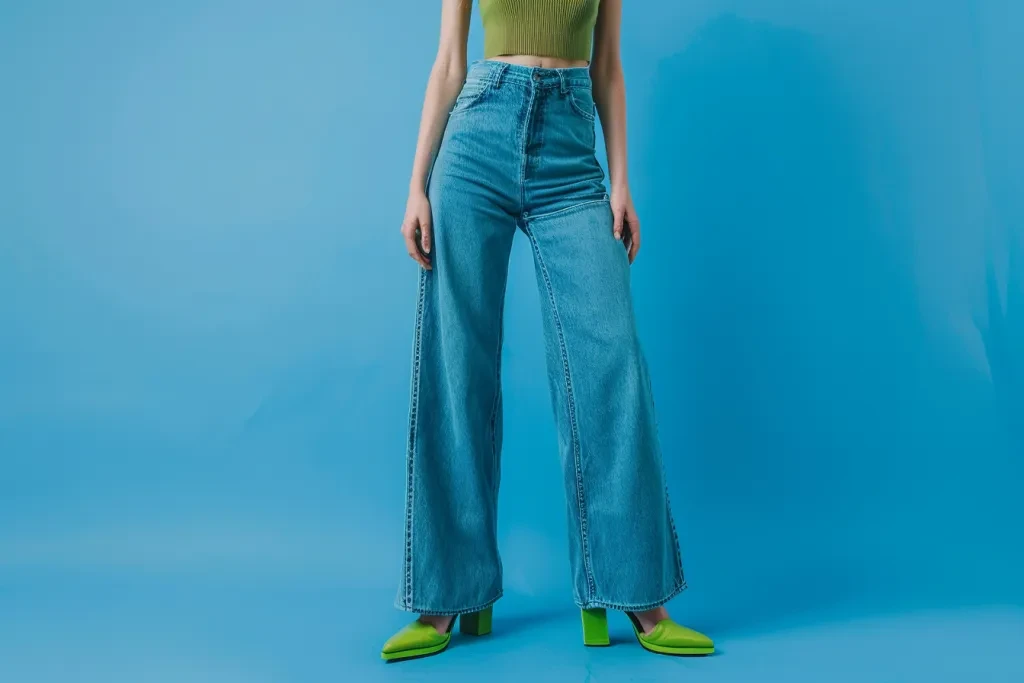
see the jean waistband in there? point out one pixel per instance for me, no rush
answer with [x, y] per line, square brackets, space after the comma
[498, 72]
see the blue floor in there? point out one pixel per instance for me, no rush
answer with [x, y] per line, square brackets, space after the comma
[114, 629]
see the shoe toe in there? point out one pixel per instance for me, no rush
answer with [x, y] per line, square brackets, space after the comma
[394, 644]
[672, 634]
[415, 635]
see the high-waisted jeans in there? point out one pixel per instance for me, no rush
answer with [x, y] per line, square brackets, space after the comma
[518, 152]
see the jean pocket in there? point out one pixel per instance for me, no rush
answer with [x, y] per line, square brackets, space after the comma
[472, 92]
[582, 102]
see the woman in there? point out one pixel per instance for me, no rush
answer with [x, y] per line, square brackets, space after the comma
[511, 145]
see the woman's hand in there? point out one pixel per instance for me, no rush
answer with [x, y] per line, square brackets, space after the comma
[416, 228]
[626, 224]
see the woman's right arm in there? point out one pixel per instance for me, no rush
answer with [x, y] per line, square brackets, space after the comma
[446, 78]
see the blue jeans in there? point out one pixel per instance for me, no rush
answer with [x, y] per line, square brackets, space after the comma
[518, 152]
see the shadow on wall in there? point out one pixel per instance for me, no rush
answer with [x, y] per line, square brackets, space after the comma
[1003, 335]
[803, 405]
[998, 62]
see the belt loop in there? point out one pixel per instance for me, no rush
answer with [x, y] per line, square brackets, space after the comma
[498, 73]
[562, 87]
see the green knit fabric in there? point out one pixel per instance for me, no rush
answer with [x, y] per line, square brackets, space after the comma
[545, 28]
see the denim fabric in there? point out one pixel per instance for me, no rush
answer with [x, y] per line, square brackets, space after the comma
[518, 152]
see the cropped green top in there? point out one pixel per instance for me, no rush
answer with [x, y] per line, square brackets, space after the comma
[546, 28]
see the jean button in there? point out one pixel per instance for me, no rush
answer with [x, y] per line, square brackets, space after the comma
[536, 76]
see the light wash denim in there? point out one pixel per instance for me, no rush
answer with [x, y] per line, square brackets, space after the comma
[518, 152]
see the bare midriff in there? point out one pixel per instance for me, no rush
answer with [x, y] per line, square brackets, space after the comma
[540, 62]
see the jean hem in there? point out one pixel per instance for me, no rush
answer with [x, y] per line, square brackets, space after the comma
[627, 607]
[448, 613]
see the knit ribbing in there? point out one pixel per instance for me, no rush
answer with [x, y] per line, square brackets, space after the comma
[546, 28]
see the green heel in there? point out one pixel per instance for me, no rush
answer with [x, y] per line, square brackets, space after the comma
[595, 627]
[669, 638]
[476, 623]
[422, 640]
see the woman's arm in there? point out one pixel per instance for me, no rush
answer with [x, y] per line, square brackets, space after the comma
[446, 78]
[610, 97]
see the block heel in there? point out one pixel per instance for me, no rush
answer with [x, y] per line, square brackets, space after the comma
[476, 623]
[595, 627]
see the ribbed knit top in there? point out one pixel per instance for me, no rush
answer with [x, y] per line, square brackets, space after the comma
[545, 28]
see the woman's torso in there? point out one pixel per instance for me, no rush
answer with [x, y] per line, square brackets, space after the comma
[539, 33]
[521, 135]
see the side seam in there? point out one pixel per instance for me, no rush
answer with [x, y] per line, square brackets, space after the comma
[496, 405]
[497, 378]
[414, 397]
[680, 574]
[574, 426]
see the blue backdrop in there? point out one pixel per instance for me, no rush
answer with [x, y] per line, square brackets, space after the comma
[206, 316]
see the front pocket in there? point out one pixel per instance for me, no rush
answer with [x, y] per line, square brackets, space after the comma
[582, 101]
[472, 91]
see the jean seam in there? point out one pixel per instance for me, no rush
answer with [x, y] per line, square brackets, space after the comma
[675, 536]
[497, 383]
[411, 446]
[574, 427]
[469, 101]
[661, 461]
[469, 105]
[498, 374]
[569, 209]
[578, 109]
[524, 159]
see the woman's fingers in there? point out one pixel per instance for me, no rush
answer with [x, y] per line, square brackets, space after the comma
[618, 214]
[414, 252]
[426, 233]
[634, 238]
[410, 232]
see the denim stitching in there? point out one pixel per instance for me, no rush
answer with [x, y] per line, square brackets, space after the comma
[661, 461]
[411, 449]
[568, 209]
[580, 500]
[590, 604]
[465, 610]
[573, 77]
[523, 157]
[469, 102]
[497, 74]
[579, 109]
[675, 536]
[497, 379]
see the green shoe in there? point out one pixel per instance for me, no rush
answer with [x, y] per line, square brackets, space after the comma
[669, 638]
[421, 640]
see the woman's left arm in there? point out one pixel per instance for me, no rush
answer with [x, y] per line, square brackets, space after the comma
[610, 98]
